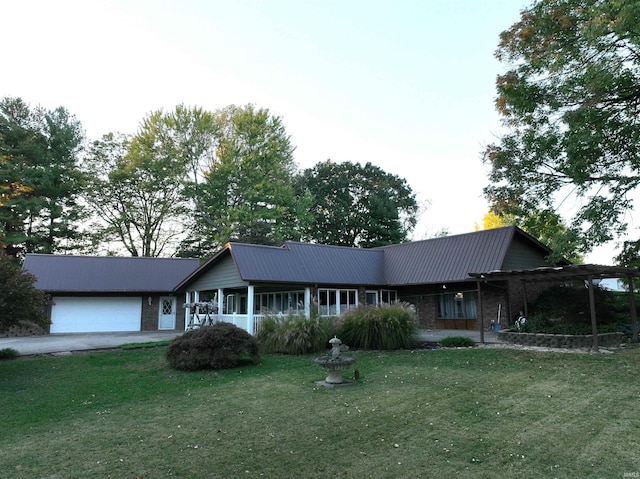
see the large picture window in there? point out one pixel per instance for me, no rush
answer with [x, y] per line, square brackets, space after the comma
[281, 302]
[334, 302]
[458, 305]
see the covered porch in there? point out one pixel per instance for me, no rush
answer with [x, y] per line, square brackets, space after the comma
[247, 305]
[244, 307]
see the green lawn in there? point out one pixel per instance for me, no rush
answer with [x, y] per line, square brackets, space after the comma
[475, 413]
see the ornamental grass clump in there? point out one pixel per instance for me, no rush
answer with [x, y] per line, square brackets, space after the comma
[220, 346]
[294, 333]
[388, 327]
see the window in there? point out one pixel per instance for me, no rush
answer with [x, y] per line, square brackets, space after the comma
[372, 298]
[167, 306]
[388, 296]
[280, 302]
[458, 305]
[230, 306]
[333, 302]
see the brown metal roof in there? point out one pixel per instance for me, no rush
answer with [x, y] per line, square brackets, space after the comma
[303, 263]
[446, 259]
[451, 258]
[107, 274]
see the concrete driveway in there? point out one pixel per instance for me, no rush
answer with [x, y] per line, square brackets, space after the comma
[63, 343]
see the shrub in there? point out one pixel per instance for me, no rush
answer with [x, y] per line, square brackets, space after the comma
[541, 323]
[457, 342]
[220, 346]
[386, 327]
[21, 304]
[8, 353]
[571, 304]
[294, 334]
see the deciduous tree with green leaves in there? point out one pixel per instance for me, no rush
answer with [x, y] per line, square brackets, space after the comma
[136, 197]
[248, 195]
[144, 189]
[571, 103]
[355, 205]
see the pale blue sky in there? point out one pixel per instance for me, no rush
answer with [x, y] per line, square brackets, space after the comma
[406, 85]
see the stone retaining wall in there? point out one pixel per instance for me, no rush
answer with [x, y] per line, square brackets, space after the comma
[567, 341]
[25, 330]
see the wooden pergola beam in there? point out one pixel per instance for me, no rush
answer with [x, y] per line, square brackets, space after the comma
[573, 272]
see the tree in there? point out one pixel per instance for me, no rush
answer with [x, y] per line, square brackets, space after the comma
[40, 180]
[357, 205]
[136, 197]
[571, 102]
[21, 303]
[493, 220]
[145, 188]
[546, 226]
[248, 195]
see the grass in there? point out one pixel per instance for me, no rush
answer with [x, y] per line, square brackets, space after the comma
[440, 413]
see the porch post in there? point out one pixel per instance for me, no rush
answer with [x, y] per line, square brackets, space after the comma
[632, 310]
[481, 312]
[307, 303]
[250, 328]
[220, 302]
[592, 307]
[187, 310]
[196, 310]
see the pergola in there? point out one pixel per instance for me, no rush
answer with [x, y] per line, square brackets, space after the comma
[574, 272]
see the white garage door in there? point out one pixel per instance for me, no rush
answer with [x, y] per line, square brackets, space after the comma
[93, 315]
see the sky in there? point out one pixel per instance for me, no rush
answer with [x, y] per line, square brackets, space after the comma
[406, 85]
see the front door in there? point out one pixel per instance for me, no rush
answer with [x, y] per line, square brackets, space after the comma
[167, 318]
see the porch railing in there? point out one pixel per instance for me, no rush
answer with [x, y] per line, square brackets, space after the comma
[241, 320]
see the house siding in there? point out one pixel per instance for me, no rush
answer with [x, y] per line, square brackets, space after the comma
[522, 255]
[224, 275]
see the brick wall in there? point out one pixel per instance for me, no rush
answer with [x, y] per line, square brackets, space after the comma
[505, 297]
[150, 314]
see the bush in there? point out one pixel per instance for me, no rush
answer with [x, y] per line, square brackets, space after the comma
[571, 304]
[541, 323]
[21, 304]
[457, 342]
[8, 353]
[220, 346]
[385, 327]
[294, 334]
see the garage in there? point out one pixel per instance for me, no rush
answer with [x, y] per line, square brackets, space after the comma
[95, 314]
[97, 294]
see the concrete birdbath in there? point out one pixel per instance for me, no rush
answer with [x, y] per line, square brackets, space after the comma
[334, 364]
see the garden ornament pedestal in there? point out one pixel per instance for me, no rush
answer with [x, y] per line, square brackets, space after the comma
[334, 364]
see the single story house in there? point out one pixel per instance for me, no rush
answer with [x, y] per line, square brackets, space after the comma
[108, 294]
[467, 281]
[242, 282]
